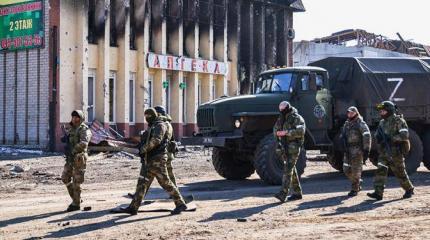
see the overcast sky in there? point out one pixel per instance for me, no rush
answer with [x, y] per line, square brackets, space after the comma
[323, 17]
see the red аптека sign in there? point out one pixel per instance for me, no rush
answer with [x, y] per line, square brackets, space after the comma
[21, 25]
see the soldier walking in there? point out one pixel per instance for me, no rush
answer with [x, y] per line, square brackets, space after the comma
[392, 138]
[289, 131]
[154, 165]
[357, 142]
[77, 139]
[172, 147]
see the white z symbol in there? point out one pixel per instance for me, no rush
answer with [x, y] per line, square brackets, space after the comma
[399, 82]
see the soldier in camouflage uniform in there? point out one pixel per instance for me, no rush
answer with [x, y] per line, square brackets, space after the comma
[154, 165]
[289, 131]
[357, 141]
[170, 136]
[392, 138]
[77, 138]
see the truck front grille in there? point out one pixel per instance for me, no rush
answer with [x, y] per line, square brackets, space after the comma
[205, 118]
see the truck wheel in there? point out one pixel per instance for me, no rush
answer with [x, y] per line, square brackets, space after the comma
[426, 143]
[335, 159]
[269, 166]
[415, 156]
[228, 165]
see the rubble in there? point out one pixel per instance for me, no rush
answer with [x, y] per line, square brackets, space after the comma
[17, 151]
[16, 169]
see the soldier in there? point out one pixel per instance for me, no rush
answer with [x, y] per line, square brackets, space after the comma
[77, 139]
[171, 149]
[392, 138]
[357, 141]
[289, 131]
[154, 166]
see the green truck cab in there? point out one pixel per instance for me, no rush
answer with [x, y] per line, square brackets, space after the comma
[239, 129]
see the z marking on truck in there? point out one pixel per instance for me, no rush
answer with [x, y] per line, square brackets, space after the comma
[399, 82]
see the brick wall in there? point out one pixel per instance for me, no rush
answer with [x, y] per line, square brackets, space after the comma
[24, 94]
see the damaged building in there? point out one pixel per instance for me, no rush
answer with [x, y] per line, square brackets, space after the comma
[115, 58]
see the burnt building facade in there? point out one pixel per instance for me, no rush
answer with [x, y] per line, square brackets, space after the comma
[115, 58]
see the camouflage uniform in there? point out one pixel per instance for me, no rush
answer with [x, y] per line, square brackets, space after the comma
[155, 166]
[295, 125]
[390, 154]
[76, 159]
[357, 139]
[170, 154]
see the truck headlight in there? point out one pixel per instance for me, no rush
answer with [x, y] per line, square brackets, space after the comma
[237, 124]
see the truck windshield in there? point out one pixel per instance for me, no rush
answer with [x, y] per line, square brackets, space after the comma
[275, 83]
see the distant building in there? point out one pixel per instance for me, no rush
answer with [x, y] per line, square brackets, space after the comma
[356, 43]
[114, 58]
[306, 52]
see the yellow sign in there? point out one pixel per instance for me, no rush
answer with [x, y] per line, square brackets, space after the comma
[7, 2]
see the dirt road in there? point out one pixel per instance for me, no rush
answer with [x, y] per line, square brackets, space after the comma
[32, 205]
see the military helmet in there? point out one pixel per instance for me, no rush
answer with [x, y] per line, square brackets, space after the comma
[388, 106]
[160, 110]
[285, 105]
[352, 109]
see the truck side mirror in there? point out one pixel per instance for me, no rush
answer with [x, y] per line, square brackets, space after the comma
[313, 81]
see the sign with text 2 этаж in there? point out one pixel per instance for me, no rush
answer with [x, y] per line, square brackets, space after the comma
[21, 25]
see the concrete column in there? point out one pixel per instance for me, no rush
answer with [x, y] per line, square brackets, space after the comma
[223, 89]
[123, 80]
[192, 89]
[176, 110]
[206, 49]
[102, 78]
[160, 47]
[81, 60]
[233, 44]
[142, 86]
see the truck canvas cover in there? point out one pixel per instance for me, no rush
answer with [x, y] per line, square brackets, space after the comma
[368, 81]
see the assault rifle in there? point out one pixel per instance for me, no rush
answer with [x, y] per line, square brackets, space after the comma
[385, 140]
[65, 139]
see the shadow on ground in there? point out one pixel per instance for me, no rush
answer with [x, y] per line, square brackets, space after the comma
[364, 206]
[240, 213]
[76, 230]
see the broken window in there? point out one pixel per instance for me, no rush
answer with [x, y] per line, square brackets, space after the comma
[219, 13]
[92, 21]
[132, 26]
[113, 35]
[132, 98]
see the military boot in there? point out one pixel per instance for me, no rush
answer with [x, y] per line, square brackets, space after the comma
[178, 209]
[72, 207]
[281, 196]
[408, 193]
[352, 193]
[294, 197]
[375, 195]
[128, 210]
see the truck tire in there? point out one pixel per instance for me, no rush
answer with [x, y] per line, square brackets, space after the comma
[335, 159]
[269, 166]
[228, 165]
[413, 159]
[415, 156]
[426, 143]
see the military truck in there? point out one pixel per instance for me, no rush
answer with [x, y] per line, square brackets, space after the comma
[240, 128]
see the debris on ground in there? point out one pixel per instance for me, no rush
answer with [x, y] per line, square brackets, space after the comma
[87, 209]
[16, 169]
[17, 151]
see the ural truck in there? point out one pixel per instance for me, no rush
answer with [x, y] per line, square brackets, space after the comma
[239, 129]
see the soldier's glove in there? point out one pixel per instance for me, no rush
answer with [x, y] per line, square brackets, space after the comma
[365, 155]
[64, 139]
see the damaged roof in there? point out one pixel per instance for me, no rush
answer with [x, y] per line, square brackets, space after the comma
[295, 5]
